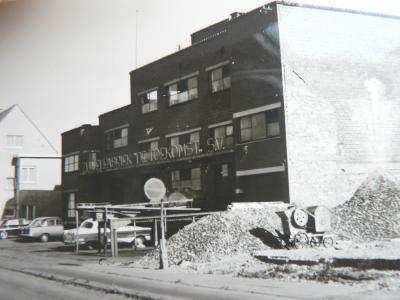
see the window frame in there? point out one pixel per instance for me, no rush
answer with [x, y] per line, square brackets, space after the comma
[14, 144]
[252, 121]
[182, 92]
[227, 136]
[28, 174]
[147, 95]
[71, 205]
[187, 178]
[224, 81]
[116, 135]
[71, 163]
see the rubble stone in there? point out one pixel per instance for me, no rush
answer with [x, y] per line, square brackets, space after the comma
[373, 211]
[217, 236]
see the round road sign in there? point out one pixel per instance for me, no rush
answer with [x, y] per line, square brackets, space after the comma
[154, 189]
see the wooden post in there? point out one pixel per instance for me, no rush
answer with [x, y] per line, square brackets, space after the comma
[134, 234]
[115, 234]
[98, 233]
[155, 233]
[112, 238]
[105, 231]
[77, 231]
[163, 246]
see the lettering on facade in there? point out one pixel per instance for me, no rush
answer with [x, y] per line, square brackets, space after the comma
[159, 154]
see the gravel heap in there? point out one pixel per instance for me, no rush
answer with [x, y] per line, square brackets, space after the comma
[373, 213]
[216, 237]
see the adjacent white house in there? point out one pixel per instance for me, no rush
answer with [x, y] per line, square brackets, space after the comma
[39, 163]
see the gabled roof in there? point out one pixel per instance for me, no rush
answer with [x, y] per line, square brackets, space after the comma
[4, 113]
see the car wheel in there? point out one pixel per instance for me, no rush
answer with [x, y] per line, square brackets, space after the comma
[139, 242]
[44, 238]
[3, 235]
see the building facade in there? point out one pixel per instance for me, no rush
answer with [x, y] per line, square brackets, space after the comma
[38, 167]
[243, 114]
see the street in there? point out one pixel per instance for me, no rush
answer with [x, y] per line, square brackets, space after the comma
[52, 271]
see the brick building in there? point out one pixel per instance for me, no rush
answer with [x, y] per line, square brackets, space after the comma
[258, 108]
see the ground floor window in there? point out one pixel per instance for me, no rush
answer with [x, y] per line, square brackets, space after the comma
[71, 202]
[28, 212]
[186, 179]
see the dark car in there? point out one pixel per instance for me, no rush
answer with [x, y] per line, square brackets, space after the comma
[12, 227]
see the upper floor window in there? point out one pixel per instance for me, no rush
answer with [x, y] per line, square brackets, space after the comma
[259, 126]
[220, 79]
[117, 138]
[91, 159]
[15, 141]
[183, 139]
[147, 148]
[149, 101]
[224, 134]
[28, 174]
[182, 91]
[71, 163]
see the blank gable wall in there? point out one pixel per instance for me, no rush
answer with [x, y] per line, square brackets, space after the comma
[340, 73]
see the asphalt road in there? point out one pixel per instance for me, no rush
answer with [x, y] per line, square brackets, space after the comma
[52, 271]
[16, 285]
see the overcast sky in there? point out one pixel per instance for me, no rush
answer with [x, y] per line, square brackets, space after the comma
[67, 61]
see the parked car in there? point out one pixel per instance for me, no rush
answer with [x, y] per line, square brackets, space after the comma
[11, 227]
[44, 229]
[88, 234]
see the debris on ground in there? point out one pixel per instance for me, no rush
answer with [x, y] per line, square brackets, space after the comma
[220, 235]
[373, 213]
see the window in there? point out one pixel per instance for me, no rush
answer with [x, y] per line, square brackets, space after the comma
[147, 148]
[15, 141]
[71, 163]
[117, 138]
[183, 91]
[51, 222]
[149, 102]
[9, 212]
[220, 79]
[224, 170]
[224, 134]
[185, 139]
[28, 174]
[91, 159]
[259, 126]
[71, 205]
[186, 179]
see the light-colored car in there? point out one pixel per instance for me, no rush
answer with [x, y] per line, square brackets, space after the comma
[88, 234]
[44, 229]
[11, 227]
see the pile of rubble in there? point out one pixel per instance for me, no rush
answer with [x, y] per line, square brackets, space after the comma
[218, 236]
[373, 213]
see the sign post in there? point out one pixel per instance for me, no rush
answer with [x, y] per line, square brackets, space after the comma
[155, 190]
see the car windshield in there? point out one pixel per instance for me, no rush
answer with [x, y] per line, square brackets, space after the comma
[37, 222]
